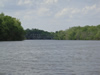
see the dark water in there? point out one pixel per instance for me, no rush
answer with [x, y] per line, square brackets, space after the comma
[50, 57]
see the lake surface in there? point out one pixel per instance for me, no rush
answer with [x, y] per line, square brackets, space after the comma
[50, 57]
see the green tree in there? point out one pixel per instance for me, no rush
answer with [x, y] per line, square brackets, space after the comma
[10, 29]
[79, 33]
[38, 34]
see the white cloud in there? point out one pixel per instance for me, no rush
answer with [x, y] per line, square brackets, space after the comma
[42, 11]
[62, 12]
[27, 17]
[86, 9]
[25, 2]
[2, 3]
[72, 11]
[98, 10]
[50, 1]
[67, 11]
[75, 10]
[27, 14]
[36, 13]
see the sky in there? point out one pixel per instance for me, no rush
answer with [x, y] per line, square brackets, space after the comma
[52, 15]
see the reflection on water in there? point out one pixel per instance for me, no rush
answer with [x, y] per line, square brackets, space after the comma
[50, 57]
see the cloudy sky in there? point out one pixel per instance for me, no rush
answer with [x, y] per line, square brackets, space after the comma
[53, 15]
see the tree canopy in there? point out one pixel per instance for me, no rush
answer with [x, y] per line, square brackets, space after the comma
[74, 33]
[79, 33]
[38, 34]
[10, 28]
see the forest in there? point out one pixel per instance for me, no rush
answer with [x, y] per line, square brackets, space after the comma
[74, 33]
[79, 33]
[11, 30]
[38, 34]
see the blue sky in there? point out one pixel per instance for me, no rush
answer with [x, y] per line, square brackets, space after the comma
[53, 15]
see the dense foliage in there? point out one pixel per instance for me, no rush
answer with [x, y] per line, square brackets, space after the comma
[79, 33]
[38, 34]
[74, 33]
[10, 28]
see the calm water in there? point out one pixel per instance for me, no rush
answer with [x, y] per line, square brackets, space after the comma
[50, 57]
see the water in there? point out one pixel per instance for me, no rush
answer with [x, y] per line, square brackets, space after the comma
[50, 57]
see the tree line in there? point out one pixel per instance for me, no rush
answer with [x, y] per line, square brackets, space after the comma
[79, 33]
[74, 33]
[11, 30]
[38, 34]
